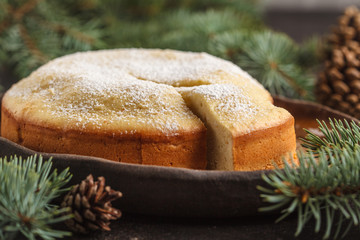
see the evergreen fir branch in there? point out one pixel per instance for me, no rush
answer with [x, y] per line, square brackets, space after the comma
[35, 31]
[316, 190]
[27, 186]
[341, 134]
[271, 58]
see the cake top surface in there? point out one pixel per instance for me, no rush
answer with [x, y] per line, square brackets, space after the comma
[129, 89]
[171, 67]
[235, 109]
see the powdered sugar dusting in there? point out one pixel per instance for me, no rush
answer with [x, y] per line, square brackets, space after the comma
[175, 68]
[131, 88]
[232, 103]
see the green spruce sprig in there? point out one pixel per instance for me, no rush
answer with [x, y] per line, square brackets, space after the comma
[324, 185]
[27, 187]
[330, 195]
[32, 32]
[272, 58]
[273, 62]
[340, 135]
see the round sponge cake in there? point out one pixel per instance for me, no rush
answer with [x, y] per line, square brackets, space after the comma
[143, 106]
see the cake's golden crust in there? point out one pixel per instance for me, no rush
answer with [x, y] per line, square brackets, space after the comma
[183, 150]
[258, 150]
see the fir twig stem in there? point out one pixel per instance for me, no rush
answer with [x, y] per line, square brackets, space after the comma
[305, 193]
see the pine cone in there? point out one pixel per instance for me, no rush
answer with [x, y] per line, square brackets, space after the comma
[347, 29]
[90, 202]
[338, 85]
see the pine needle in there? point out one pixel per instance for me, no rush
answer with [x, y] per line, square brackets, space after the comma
[27, 187]
[339, 135]
[324, 184]
[270, 57]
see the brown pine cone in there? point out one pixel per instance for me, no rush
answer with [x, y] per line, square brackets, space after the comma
[347, 29]
[338, 84]
[90, 203]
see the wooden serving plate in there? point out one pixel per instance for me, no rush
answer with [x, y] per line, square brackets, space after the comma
[177, 192]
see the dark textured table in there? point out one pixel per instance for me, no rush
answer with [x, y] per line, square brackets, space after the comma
[251, 228]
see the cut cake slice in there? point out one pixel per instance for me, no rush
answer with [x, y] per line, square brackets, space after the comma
[243, 133]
